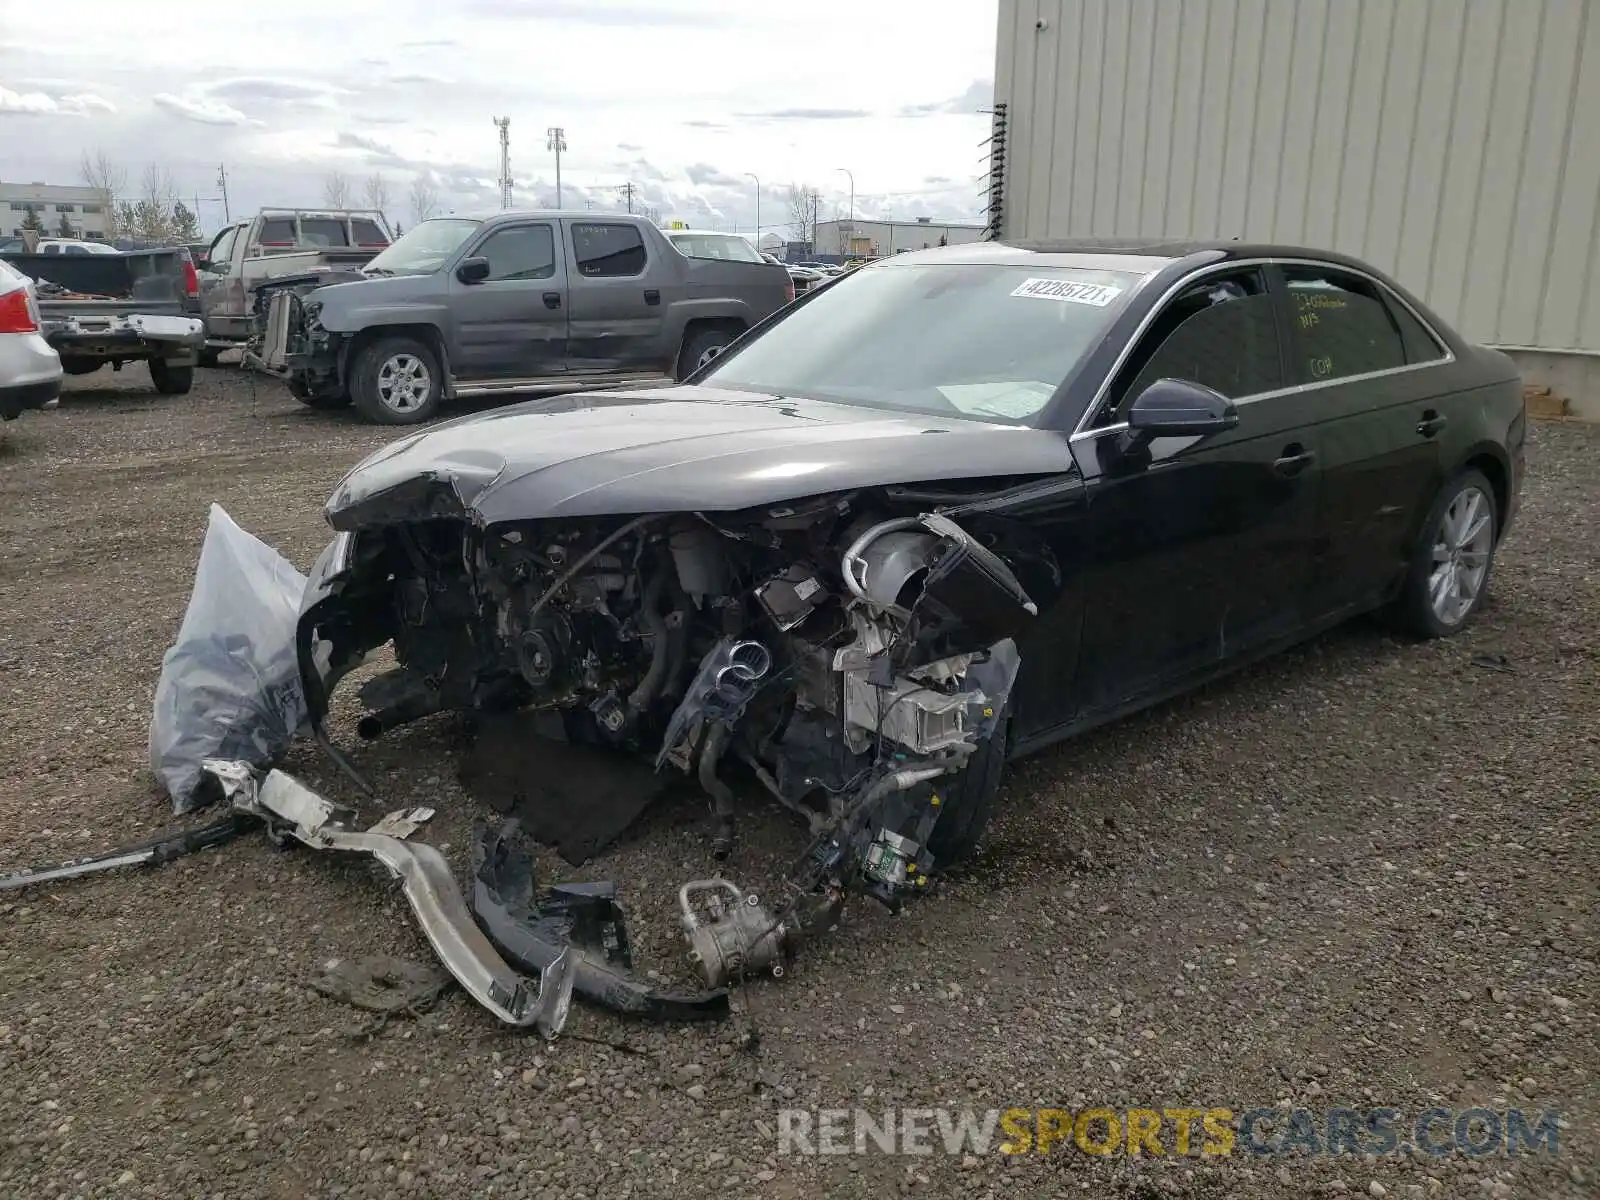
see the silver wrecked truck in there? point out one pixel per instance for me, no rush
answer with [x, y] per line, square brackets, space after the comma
[518, 301]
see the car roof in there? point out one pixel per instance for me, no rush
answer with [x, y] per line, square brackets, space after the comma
[1143, 256]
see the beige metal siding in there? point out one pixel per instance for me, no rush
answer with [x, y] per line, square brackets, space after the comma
[1453, 143]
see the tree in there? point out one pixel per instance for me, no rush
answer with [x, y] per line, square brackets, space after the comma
[424, 198]
[336, 190]
[31, 221]
[802, 202]
[108, 180]
[185, 228]
[377, 193]
[64, 227]
[127, 222]
[158, 198]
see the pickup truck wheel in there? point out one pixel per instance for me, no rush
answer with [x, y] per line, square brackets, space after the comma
[396, 381]
[701, 347]
[171, 380]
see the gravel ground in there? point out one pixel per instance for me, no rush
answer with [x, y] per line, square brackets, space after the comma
[1361, 874]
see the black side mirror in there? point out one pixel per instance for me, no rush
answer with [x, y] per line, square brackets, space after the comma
[473, 270]
[1178, 408]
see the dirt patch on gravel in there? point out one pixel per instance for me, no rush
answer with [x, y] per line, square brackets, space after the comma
[1363, 874]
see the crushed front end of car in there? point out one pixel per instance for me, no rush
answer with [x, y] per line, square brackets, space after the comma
[853, 650]
[288, 339]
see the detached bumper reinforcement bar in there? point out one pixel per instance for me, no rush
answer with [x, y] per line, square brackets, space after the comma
[291, 809]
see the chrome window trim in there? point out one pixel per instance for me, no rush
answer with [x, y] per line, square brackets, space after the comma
[1082, 430]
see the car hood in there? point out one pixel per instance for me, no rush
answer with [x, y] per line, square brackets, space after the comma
[670, 449]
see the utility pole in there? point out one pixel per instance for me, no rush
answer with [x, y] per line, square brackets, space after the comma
[627, 192]
[752, 175]
[503, 124]
[556, 139]
[222, 186]
[852, 210]
[816, 204]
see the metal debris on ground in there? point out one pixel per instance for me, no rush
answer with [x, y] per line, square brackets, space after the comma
[583, 920]
[293, 811]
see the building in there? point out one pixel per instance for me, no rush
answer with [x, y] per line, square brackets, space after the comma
[83, 208]
[837, 240]
[1451, 144]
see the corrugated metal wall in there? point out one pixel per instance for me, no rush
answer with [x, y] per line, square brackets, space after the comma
[1453, 143]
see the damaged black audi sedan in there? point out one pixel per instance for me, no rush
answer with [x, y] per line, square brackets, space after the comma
[959, 505]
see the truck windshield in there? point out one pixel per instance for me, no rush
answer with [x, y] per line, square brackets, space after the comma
[988, 342]
[424, 248]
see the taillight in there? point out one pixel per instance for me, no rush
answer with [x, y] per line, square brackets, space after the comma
[16, 314]
[191, 278]
[788, 290]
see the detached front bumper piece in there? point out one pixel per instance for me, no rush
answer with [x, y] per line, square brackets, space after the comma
[292, 810]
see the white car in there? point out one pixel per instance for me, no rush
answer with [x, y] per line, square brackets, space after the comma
[30, 371]
[73, 246]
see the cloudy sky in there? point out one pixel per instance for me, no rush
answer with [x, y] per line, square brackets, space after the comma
[680, 97]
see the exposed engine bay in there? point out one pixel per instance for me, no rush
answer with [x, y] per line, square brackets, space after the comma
[852, 661]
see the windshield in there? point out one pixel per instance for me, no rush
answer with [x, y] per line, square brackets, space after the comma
[987, 342]
[724, 246]
[423, 248]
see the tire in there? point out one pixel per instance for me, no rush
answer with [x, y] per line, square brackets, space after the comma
[171, 380]
[1435, 605]
[969, 800]
[396, 381]
[324, 403]
[81, 366]
[700, 346]
[209, 357]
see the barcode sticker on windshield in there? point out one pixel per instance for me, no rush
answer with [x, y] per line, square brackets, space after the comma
[1097, 294]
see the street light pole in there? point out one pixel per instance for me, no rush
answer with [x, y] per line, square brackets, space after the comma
[752, 175]
[852, 179]
[556, 139]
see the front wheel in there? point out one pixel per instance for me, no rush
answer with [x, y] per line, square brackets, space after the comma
[1449, 573]
[171, 380]
[968, 799]
[397, 381]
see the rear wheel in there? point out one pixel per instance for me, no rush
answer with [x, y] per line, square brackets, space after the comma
[1449, 573]
[396, 381]
[700, 347]
[171, 380]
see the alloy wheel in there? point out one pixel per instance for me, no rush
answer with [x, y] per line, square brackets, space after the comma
[404, 383]
[1462, 545]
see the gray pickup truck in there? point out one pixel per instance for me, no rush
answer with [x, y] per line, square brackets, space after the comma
[99, 309]
[518, 301]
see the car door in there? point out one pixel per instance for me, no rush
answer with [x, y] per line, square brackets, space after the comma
[616, 319]
[214, 299]
[1363, 356]
[1200, 548]
[512, 324]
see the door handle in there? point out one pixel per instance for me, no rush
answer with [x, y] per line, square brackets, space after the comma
[1295, 458]
[652, 296]
[1431, 423]
[552, 299]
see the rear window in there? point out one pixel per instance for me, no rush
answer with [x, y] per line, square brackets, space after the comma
[367, 232]
[323, 231]
[722, 246]
[277, 231]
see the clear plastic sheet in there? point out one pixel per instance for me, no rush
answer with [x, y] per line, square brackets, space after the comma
[230, 686]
